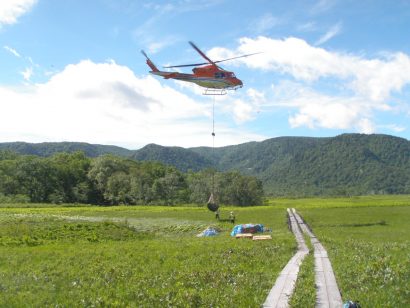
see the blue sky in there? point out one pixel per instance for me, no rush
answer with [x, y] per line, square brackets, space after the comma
[72, 70]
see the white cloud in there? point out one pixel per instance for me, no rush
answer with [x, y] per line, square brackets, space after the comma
[149, 33]
[242, 111]
[332, 32]
[183, 6]
[373, 79]
[394, 127]
[322, 6]
[320, 111]
[314, 110]
[12, 51]
[27, 73]
[307, 27]
[256, 96]
[106, 103]
[376, 79]
[291, 56]
[366, 126]
[265, 23]
[11, 10]
[156, 46]
[364, 85]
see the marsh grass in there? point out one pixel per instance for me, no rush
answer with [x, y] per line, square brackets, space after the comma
[342, 202]
[150, 257]
[369, 248]
[142, 257]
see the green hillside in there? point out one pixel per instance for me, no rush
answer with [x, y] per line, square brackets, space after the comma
[183, 159]
[345, 165]
[49, 148]
[349, 164]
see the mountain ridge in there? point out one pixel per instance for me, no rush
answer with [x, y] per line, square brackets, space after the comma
[347, 164]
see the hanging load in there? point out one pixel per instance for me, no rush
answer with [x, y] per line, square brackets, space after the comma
[212, 205]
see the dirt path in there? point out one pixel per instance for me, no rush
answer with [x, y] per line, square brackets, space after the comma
[283, 288]
[327, 294]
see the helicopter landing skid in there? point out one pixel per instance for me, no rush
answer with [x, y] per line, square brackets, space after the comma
[211, 91]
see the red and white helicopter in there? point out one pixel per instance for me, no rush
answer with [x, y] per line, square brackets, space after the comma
[207, 74]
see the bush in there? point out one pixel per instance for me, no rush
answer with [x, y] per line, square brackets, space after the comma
[14, 198]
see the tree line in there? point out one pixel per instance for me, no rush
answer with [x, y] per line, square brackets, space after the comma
[113, 180]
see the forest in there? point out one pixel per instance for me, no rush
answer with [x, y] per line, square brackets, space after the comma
[345, 165]
[114, 180]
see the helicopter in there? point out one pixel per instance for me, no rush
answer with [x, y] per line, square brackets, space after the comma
[208, 74]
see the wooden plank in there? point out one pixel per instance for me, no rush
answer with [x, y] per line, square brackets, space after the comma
[284, 286]
[327, 294]
[261, 237]
[244, 235]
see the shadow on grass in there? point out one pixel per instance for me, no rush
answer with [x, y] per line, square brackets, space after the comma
[370, 224]
[225, 220]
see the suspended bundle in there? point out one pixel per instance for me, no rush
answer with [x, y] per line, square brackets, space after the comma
[212, 205]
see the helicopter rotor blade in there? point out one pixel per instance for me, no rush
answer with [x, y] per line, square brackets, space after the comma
[196, 64]
[214, 62]
[243, 56]
[206, 58]
[201, 53]
[185, 65]
[145, 55]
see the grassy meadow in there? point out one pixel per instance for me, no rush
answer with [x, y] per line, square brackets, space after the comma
[136, 256]
[370, 251]
[150, 257]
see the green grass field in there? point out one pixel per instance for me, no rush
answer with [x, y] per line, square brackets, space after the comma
[150, 256]
[370, 251]
[136, 256]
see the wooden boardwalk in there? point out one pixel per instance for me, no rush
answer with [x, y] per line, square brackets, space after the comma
[283, 288]
[327, 291]
[327, 294]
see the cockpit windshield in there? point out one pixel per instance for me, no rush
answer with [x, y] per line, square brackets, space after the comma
[224, 74]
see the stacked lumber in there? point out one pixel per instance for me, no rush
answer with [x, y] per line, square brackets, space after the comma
[261, 237]
[253, 237]
[244, 235]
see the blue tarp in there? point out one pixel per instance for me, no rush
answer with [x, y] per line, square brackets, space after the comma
[247, 228]
[208, 232]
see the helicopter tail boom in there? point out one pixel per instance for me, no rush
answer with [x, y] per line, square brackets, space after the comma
[150, 63]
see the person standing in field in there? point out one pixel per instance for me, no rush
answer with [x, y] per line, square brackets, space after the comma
[232, 217]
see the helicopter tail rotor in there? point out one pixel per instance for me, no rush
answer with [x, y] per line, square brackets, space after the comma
[149, 62]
